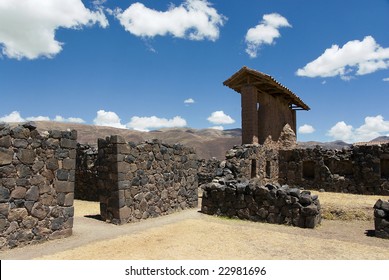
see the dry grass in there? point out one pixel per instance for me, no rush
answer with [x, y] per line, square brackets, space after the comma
[348, 207]
[205, 237]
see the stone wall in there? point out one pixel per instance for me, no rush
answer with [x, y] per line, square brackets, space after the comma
[253, 161]
[86, 173]
[145, 180]
[381, 219]
[36, 184]
[359, 170]
[244, 199]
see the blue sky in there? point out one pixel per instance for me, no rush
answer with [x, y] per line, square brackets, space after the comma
[133, 64]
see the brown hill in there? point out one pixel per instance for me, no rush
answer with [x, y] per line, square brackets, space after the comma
[207, 142]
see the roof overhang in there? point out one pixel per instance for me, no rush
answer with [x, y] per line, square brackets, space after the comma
[264, 83]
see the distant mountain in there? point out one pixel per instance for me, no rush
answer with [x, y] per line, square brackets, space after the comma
[208, 143]
[381, 139]
[335, 145]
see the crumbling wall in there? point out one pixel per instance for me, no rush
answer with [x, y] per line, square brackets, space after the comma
[145, 180]
[359, 170]
[37, 174]
[381, 219]
[250, 200]
[253, 161]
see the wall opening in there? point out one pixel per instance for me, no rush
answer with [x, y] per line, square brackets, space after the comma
[385, 168]
[309, 170]
[253, 168]
[268, 170]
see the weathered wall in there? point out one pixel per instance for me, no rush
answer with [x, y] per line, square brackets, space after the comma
[253, 161]
[36, 184]
[381, 219]
[250, 200]
[359, 170]
[145, 180]
[86, 187]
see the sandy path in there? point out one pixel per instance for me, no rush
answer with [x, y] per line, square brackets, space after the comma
[192, 235]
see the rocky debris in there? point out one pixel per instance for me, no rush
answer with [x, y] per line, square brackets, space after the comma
[150, 179]
[36, 184]
[381, 219]
[247, 199]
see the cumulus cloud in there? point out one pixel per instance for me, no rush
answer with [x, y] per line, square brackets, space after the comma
[12, 117]
[386, 79]
[28, 27]
[147, 123]
[264, 33]
[219, 117]
[69, 120]
[354, 58]
[15, 116]
[107, 118]
[306, 129]
[189, 101]
[193, 19]
[372, 128]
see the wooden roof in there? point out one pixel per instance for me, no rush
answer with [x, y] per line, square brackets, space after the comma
[264, 83]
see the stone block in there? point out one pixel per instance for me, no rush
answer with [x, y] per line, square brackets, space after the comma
[4, 194]
[5, 142]
[69, 198]
[17, 214]
[116, 139]
[68, 164]
[32, 194]
[68, 143]
[6, 156]
[40, 211]
[26, 156]
[64, 186]
[19, 193]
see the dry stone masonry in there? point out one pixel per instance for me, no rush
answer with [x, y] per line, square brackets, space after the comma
[248, 199]
[36, 184]
[359, 170]
[381, 219]
[145, 180]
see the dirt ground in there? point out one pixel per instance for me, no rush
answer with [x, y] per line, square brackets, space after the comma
[189, 235]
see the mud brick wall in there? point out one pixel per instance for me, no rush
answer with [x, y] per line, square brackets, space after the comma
[86, 185]
[249, 200]
[145, 180]
[381, 219]
[359, 170]
[37, 174]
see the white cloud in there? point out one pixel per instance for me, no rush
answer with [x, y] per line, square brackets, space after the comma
[386, 79]
[219, 127]
[16, 117]
[193, 19]
[359, 57]
[306, 129]
[372, 128]
[189, 101]
[147, 123]
[28, 27]
[219, 117]
[69, 120]
[12, 117]
[342, 131]
[39, 118]
[108, 118]
[264, 33]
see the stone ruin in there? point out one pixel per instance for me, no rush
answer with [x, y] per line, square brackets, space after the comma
[381, 219]
[36, 184]
[146, 180]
